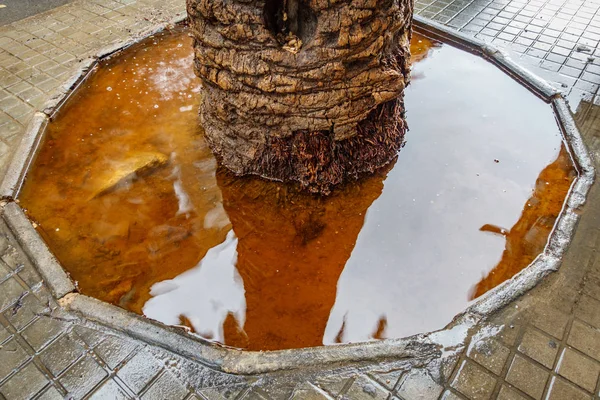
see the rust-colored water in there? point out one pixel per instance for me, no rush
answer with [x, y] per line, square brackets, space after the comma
[256, 265]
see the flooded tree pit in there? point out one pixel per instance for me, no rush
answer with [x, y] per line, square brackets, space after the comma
[131, 201]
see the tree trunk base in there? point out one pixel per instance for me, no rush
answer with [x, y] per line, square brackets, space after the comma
[317, 161]
[308, 91]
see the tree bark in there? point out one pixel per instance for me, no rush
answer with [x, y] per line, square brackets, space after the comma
[303, 90]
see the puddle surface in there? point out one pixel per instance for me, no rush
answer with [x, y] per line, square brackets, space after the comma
[129, 198]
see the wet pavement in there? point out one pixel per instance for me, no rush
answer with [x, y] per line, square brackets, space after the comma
[546, 345]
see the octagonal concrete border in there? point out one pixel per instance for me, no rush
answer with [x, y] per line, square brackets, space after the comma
[421, 346]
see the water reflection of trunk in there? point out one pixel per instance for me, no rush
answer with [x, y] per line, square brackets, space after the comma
[291, 282]
[528, 236]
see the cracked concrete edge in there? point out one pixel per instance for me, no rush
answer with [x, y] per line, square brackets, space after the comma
[537, 85]
[23, 156]
[241, 362]
[36, 250]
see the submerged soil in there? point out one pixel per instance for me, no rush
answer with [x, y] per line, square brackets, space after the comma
[131, 201]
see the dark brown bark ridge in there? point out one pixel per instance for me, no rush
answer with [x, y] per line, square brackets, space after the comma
[307, 91]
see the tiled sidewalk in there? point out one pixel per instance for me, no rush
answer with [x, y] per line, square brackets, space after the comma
[546, 345]
[557, 39]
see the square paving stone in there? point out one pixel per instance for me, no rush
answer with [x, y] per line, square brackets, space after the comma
[11, 356]
[490, 354]
[51, 393]
[579, 369]
[61, 354]
[4, 333]
[30, 276]
[418, 384]
[585, 339]
[366, 389]
[20, 317]
[232, 392]
[304, 392]
[43, 331]
[551, 321]
[4, 270]
[540, 347]
[139, 371]
[561, 390]
[527, 376]
[110, 390]
[91, 337]
[10, 291]
[13, 258]
[114, 349]
[507, 393]
[587, 310]
[332, 384]
[24, 384]
[474, 382]
[82, 377]
[508, 334]
[388, 379]
[166, 387]
[448, 395]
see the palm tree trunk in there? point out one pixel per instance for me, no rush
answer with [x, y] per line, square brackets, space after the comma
[303, 90]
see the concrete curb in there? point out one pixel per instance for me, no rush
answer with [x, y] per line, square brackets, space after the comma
[235, 361]
[26, 151]
[35, 248]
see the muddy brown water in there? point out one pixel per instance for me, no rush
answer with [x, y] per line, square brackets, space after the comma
[468, 203]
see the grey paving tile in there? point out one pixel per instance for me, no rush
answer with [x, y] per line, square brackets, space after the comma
[528, 377]
[489, 353]
[51, 393]
[10, 291]
[61, 354]
[365, 389]
[12, 355]
[389, 379]
[474, 382]
[4, 333]
[110, 390]
[166, 386]
[508, 393]
[90, 336]
[562, 390]
[232, 392]
[113, 350]
[22, 315]
[24, 384]
[43, 331]
[585, 338]
[579, 369]
[82, 377]
[333, 385]
[138, 371]
[419, 384]
[539, 347]
[308, 392]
